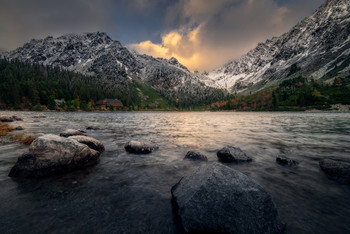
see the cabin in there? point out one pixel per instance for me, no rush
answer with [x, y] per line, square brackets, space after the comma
[106, 103]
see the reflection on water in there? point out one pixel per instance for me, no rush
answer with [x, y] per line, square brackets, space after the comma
[127, 193]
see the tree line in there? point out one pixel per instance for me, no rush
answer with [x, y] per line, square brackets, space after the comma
[26, 86]
[295, 94]
[31, 86]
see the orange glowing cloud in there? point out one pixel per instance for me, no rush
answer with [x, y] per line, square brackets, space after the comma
[181, 44]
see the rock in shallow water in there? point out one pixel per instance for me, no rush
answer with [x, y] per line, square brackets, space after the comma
[71, 132]
[9, 118]
[137, 147]
[231, 154]
[92, 128]
[19, 128]
[194, 156]
[284, 161]
[39, 116]
[51, 154]
[216, 198]
[89, 141]
[336, 168]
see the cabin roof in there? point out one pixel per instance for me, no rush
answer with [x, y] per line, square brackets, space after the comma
[109, 102]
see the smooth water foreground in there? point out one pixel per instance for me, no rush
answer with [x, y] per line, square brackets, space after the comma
[127, 193]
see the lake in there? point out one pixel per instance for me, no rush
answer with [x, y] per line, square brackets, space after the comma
[127, 193]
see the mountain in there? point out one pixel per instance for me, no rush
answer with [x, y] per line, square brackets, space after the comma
[318, 47]
[88, 53]
[97, 54]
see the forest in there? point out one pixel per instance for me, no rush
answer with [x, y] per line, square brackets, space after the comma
[297, 94]
[34, 87]
[37, 87]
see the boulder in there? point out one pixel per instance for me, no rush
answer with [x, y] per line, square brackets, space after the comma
[217, 199]
[89, 141]
[51, 154]
[194, 156]
[137, 147]
[284, 161]
[231, 154]
[336, 168]
[71, 132]
[19, 128]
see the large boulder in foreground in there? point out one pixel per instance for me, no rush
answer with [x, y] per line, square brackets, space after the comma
[231, 154]
[336, 168]
[137, 147]
[218, 199]
[89, 141]
[71, 132]
[51, 154]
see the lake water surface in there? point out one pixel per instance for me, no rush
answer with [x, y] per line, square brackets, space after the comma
[127, 193]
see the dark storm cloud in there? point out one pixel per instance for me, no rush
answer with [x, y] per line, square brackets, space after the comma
[22, 20]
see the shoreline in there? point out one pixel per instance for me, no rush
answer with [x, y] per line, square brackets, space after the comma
[193, 111]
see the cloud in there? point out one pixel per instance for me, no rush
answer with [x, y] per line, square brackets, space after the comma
[141, 6]
[210, 33]
[182, 44]
[22, 20]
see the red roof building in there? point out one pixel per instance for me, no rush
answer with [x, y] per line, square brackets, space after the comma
[105, 103]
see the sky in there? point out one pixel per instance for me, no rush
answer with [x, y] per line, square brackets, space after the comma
[201, 34]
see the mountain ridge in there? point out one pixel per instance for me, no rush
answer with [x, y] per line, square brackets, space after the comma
[309, 48]
[97, 54]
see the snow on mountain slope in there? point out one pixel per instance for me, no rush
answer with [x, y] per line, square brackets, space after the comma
[97, 54]
[88, 53]
[312, 48]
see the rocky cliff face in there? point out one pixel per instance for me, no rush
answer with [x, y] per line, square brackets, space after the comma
[313, 48]
[97, 54]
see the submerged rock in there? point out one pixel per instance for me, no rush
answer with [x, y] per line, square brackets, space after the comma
[17, 118]
[284, 161]
[89, 141]
[92, 128]
[51, 154]
[39, 116]
[138, 147]
[10, 118]
[191, 155]
[6, 119]
[231, 154]
[71, 132]
[217, 199]
[336, 168]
